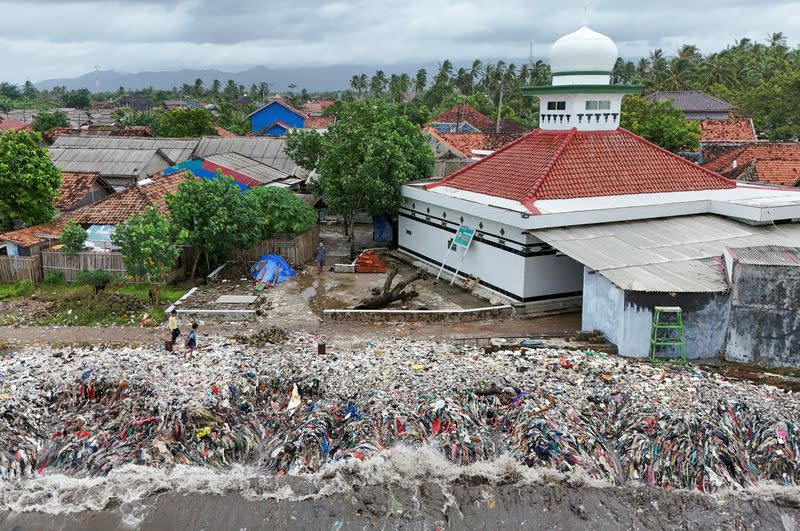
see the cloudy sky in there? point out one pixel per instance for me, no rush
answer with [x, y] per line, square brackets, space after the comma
[41, 39]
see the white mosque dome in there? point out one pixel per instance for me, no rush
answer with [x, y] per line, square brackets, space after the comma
[584, 50]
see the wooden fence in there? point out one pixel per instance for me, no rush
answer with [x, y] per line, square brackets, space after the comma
[70, 266]
[14, 268]
[112, 263]
[296, 250]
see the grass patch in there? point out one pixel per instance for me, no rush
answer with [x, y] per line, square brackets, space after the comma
[79, 305]
[22, 288]
[168, 294]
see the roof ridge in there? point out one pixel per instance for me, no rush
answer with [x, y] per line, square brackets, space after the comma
[443, 182]
[531, 197]
[677, 157]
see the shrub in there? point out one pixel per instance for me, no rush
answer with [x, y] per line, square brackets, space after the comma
[73, 237]
[53, 277]
[21, 288]
[93, 277]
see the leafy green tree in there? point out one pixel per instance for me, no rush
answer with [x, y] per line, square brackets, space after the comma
[214, 216]
[306, 144]
[10, 91]
[660, 123]
[148, 245]
[775, 106]
[284, 211]
[28, 178]
[29, 92]
[366, 156]
[185, 123]
[78, 99]
[47, 121]
[73, 237]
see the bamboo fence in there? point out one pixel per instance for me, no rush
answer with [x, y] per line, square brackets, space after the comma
[15, 268]
[296, 250]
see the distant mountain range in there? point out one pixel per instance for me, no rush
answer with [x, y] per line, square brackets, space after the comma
[312, 78]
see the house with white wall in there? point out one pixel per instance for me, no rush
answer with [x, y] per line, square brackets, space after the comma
[580, 169]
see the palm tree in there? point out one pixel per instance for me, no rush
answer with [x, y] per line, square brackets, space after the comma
[198, 88]
[477, 71]
[718, 71]
[363, 82]
[642, 68]
[420, 80]
[690, 52]
[445, 71]
[377, 84]
[658, 67]
[678, 75]
[355, 84]
[215, 88]
[776, 39]
[263, 90]
[463, 81]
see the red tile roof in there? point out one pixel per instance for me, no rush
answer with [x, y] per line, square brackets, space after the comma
[224, 132]
[465, 113]
[14, 125]
[74, 187]
[733, 130]
[571, 164]
[466, 142]
[756, 150]
[319, 122]
[782, 172]
[315, 108]
[116, 208]
[27, 236]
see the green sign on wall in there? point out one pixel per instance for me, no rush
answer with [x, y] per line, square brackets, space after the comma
[464, 236]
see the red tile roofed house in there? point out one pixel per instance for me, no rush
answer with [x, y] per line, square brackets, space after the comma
[465, 113]
[733, 130]
[14, 125]
[316, 108]
[81, 189]
[781, 172]
[26, 241]
[756, 150]
[571, 164]
[116, 208]
[319, 122]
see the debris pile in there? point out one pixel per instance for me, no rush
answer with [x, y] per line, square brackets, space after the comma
[291, 411]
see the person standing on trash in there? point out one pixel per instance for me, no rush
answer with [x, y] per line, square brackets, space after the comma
[173, 325]
[320, 256]
[191, 341]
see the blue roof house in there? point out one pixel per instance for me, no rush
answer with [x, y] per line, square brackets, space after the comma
[276, 119]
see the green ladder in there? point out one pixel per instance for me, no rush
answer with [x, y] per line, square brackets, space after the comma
[667, 332]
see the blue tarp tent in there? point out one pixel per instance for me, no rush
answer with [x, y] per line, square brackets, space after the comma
[382, 229]
[268, 266]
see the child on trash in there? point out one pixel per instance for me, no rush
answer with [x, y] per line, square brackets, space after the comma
[191, 341]
[173, 325]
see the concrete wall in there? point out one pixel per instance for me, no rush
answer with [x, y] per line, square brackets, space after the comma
[603, 306]
[765, 316]
[507, 261]
[626, 318]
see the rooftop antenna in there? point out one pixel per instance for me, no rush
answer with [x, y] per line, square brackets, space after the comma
[530, 56]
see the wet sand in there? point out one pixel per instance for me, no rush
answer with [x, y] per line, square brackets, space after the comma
[488, 507]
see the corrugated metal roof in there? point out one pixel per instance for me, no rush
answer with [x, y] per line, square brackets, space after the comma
[768, 255]
[252, 168]
[117, 162]
[664, 255]
[176, 149]
[269, 151]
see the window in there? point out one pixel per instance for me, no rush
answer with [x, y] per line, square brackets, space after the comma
[602, 105]
[556, 105]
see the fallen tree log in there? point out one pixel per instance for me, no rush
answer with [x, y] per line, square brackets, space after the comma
[382, 298]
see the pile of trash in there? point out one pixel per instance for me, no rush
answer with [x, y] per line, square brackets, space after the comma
[289, 410]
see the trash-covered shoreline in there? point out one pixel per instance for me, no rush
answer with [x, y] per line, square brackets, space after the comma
[285, 410]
